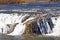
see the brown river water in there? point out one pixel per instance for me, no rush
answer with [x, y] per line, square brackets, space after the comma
[28, 37]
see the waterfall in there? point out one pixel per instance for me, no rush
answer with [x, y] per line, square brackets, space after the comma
[11, 19]
[21, 27]
[3, 28]
[15, 24]
[7, 22]
[56, 29]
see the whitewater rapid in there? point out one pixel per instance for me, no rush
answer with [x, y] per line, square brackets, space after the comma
[56, 29]
[15, 24]
[11, 19]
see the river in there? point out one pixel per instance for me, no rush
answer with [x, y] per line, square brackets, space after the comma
[5, 37]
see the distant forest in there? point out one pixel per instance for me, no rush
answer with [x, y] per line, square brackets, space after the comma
[26, 1]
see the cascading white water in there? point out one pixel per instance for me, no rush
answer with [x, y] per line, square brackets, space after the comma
[11, 19]
[54, 20]
[3, 28]
[20, 27]
[56, 29]
[8, 19]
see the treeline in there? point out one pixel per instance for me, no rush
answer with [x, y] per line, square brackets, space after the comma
[17, 1]
[26, 1]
